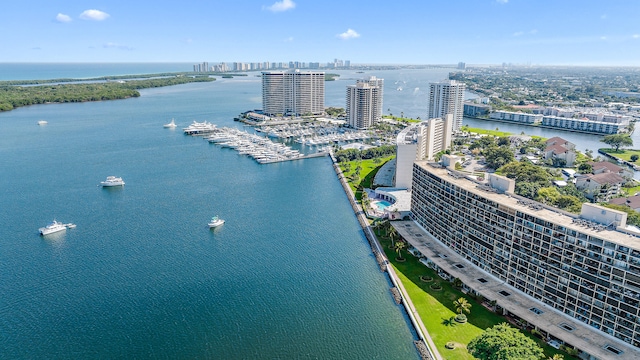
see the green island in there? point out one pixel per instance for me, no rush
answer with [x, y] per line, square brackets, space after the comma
[13, 96]
[331, 77]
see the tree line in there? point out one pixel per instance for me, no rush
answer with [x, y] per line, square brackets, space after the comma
[12, 96]
[376, 152]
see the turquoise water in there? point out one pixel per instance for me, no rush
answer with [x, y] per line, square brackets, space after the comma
[289, 275]
[382, 204]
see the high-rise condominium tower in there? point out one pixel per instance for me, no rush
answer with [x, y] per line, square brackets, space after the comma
[447, 97]
[364, 103]
[293, 92]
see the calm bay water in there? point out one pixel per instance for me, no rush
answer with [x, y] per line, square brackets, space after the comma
[289, 275]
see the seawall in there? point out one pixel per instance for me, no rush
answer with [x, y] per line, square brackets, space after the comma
[425, 346]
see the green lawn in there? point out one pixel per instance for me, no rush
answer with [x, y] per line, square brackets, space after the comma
[437, 310]
[494, 132]
[368, 172]
[624, 154]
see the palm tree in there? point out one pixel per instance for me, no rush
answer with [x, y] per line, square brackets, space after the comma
[398, 247]
[462, 305]
[393, 234]
[556, 357]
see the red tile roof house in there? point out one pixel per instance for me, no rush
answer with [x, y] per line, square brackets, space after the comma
[600, 187]
[558, 148]
[609, 167]
[631, 201]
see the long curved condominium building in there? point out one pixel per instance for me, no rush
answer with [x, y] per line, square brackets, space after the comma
[576, 279]
[293, 92]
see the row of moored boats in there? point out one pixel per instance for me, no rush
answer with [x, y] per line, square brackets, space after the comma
[258, 147]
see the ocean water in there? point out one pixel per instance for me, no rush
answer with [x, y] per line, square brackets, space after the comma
[288, 276]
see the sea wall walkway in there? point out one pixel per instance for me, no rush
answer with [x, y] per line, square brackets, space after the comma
[425, 345]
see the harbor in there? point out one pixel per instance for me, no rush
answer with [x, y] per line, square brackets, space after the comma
[260, 148]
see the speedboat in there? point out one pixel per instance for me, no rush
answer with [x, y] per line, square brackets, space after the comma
[42, 122]
[215, 222]
[112, 181]
[52, 228]
[171, 125]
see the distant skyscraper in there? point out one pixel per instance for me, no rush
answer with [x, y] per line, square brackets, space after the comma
[293, 92]
[447, 97]
[364, 103]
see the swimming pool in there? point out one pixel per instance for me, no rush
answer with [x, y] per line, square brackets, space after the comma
[381, 204]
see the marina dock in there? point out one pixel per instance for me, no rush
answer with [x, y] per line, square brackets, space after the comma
[260, 148]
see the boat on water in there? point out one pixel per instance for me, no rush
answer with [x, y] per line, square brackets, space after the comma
[171, 125]
[215, 222]
[112, 181]
[42, 122]
[52, 228]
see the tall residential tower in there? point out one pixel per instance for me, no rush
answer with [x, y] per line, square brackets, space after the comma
[447, 97]
[364, 103]
[293, 92]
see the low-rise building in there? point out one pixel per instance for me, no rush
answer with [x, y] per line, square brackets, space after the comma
[518, 117]
[600, 187]
[631, 201]
[559, 149]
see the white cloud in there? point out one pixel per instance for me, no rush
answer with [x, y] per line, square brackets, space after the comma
[636, 36]
[604, 16]
[502, 1]
[289, 39]
[112, 45]
[63, 18]
[603, 38]
[280, 6]
[349, 34]
[519, 33]
[93, 14]
[534, 31]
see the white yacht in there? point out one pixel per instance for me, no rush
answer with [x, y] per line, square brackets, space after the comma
[215, 222]
[42, 122]
[171, 125]
[112, 181]
[52, 228]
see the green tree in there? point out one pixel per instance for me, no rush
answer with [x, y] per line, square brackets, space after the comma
[496, 156]
[548, 195]
[618, 140]
[393, 234]
[398, 247]
[503, 342]
[634, 157]
[585, 168]
[462, 305]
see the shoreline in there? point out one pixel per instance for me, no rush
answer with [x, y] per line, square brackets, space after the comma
[424, 345]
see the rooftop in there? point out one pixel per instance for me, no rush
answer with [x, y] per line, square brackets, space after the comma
[547, 318]
[533, 208]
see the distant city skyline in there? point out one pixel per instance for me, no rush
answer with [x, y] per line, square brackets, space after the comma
[478, 32]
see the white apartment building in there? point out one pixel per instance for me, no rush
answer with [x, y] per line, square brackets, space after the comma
[420, 142]
[583, 125]
[517, 117]
[447, 97]
[293, 93]
[364, 103]
[576, 279]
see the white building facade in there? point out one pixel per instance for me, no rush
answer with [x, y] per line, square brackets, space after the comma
[364, 103]
[447, 97]
[293, 93]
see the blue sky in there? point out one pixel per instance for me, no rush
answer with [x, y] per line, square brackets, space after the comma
[546, 32]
